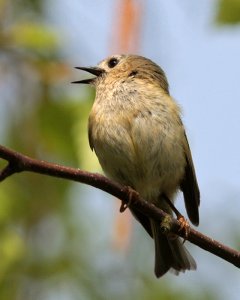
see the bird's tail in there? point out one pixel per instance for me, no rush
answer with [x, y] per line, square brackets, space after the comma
[170, 253]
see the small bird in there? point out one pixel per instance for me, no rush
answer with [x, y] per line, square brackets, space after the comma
[136, 131]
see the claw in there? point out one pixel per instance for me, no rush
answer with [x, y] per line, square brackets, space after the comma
[123, 207]
[131, 194]
[184, 226]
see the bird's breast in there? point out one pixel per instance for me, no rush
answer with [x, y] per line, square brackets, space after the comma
[140, 147]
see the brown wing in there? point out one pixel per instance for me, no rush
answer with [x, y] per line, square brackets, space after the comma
[189, 186]
[90, 134]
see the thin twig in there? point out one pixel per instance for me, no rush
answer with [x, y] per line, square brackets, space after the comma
[18, 162]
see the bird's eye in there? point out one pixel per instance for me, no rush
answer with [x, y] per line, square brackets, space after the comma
[112, 62]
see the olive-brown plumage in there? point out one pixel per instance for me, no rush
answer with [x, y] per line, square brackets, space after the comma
[138, 136]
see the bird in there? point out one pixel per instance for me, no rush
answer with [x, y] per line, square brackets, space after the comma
[136, 131]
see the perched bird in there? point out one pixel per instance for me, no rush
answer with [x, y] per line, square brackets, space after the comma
[137, 134]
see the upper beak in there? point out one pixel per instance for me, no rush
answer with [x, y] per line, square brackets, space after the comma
[93, 70]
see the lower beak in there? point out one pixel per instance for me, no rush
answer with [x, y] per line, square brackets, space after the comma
[93, 70]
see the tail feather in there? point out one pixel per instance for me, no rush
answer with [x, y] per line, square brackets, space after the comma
[170, 254]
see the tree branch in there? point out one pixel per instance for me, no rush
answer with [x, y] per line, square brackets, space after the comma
[18, 162]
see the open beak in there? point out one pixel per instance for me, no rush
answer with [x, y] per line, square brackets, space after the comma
[93, 70]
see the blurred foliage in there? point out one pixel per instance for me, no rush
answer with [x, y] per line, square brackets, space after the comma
[33, 37]
[30, 6]
[35, 213]
[228, 12]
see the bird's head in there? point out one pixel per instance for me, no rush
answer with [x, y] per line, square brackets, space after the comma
[126, 69]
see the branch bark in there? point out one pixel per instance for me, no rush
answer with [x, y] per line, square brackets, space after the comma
[18, 162]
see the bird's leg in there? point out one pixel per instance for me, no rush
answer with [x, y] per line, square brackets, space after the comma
[184, 224]
[131, 194]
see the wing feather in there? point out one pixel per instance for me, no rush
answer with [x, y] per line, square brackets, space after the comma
[189, 186]
[90, 139]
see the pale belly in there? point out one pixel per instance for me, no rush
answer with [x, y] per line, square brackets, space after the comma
[146, 156]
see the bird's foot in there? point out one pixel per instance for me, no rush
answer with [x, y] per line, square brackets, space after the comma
[184, 226]
[131, 195]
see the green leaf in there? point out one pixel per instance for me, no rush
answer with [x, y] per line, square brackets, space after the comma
[33, 36]
[228, 12]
